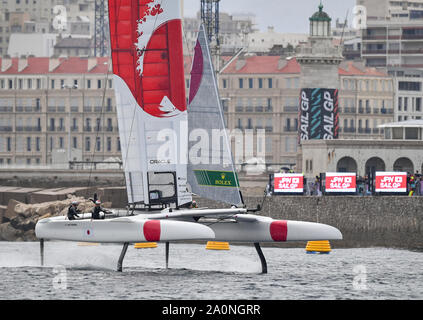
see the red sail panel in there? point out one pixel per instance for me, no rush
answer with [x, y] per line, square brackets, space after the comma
[162, 72]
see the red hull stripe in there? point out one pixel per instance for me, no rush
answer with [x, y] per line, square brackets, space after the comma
[279, 230]
[152, 231]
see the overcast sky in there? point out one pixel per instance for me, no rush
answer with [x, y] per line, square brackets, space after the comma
[285, 15]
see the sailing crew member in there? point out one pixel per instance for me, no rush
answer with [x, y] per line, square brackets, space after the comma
[194, 205]
[96, 211]
[73, 211]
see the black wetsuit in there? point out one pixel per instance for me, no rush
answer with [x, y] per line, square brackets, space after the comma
[96, 212]
[73, 212]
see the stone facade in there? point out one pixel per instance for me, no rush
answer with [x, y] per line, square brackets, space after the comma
[384, 155]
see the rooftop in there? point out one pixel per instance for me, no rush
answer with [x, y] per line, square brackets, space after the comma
[403, 124]
[36, 65]
[320, 15]
[241, 65]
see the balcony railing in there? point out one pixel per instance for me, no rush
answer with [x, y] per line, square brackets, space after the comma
[290, 108]
[387, 111]
[349, 130]
[6, 109]
[6, 128]
[290, 129]
[350, 110]
[364, 130]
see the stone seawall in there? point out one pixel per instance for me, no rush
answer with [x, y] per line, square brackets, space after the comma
[393, 222]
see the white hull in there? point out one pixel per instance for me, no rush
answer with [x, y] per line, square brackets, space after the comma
[238, 228]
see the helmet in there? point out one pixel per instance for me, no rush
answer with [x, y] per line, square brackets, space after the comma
[75, 203]
[98, 202]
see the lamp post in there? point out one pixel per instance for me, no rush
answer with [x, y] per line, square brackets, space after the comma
[75, 86]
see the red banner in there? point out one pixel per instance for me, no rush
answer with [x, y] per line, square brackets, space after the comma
[288, 183]
[391, 182]
[341, 182]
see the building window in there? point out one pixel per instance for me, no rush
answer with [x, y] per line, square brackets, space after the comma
[28, 144]
[75, 142]
[409, 86]
[61, 143]
[225, 83]
[241, 83]
[260, 83]
[270, 83]
[88, 84]
[99, 84]
[87, 144]
[98, 144]
[109, 144]
[118, 145]
[250, 83]
[109, 105]
[37, 144]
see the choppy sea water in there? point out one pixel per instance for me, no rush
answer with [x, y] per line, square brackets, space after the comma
[88, 272]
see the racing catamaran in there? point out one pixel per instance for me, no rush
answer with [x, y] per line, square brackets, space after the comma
[166, 148]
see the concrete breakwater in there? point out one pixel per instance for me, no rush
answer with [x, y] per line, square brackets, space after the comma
[384, 221]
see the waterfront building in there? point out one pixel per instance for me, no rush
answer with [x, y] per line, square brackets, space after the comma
[45, 17]
[393, 33]
[49, 104]
[400, 150]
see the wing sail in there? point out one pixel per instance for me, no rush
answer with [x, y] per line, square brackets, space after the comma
[211, 172]
[147, 54]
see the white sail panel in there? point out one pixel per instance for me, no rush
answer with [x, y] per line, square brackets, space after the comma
[211, 172]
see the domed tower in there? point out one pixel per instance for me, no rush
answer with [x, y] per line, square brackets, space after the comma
[320, 24]
[319, 59]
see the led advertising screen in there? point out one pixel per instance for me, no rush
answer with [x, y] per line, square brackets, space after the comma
[319, 114]
[288, 183]
[391, 182]
[341, 183]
